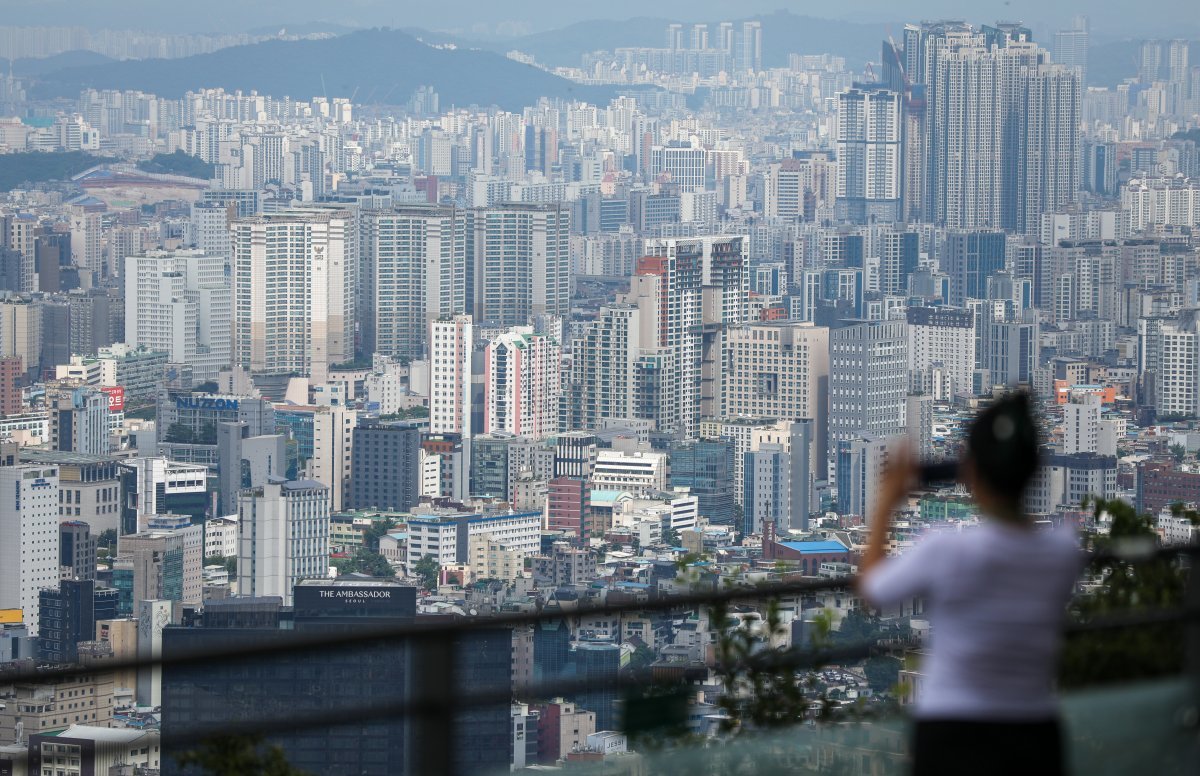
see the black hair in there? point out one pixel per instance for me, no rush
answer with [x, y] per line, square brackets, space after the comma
[1003, 446]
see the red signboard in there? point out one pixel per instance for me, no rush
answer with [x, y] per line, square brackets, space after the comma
[116, 397]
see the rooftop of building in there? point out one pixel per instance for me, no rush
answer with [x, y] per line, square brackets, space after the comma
[351, 580]
[452, 516]
[60, 458]
[816, 547]
[106, 735]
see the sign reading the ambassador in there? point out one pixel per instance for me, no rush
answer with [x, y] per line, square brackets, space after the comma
[355, 595]
[334, 601]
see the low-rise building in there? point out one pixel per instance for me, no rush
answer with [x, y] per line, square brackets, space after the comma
[46, 706]
[446, 534]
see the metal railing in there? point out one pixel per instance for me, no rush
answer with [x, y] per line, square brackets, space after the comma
[435, 697]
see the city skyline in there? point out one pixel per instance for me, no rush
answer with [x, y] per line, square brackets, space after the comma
[522, 381]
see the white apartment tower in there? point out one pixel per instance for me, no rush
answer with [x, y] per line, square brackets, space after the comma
[521, 262]
[414, 272]
[22, 231]
[1177, 387]
[1003, 144]
[868, 367]
[28, 537]
[522, 383]
[294, 288]
[778, 370]
[941, 351]
[868, 152]
[333, 432]
[211, 228]
[618, 370]
[284, 537]
[451, 346]
[180, 303]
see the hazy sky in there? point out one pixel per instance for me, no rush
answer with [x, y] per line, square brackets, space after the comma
[1110, 20]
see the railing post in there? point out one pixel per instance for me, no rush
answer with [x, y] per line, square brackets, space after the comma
[1191, 601]
[433, 683]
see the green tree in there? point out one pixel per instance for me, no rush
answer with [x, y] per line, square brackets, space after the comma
[857, 627]
[229, 562]
[365, 561]
[376, 531]
[758, 693]
[882, 672]
[1178, 452]
[412, 413]
[177, 163]
[38, 166]
[1125, 587]
[427, 570]
[641, 658]
[243, 755]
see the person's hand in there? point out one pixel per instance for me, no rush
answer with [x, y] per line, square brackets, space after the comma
[900, 478]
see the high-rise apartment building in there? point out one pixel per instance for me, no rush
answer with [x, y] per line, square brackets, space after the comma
[970, 258]
[618, 369]
[294, 289]
[22, 237]
[333, 452]
[385, 465]
[747, 47]
[180, 303]
[868, 369]
[1177, 352]
[451, 351]
[79, 421]
[522, 383]
[21, 332]
[519, 262]
[1071, 47]
[211, 228]
[1001, 130]
[941, 351]
[28, 538]
[869, 155]
[702, 287]
[415, 270]
[778, 370]
[284, 537]
[899, 255]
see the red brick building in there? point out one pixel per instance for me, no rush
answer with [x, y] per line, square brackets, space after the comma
[1161, 484]
[10, 385]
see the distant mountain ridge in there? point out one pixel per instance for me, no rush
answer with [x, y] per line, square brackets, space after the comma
[23, 68]
[379, 65]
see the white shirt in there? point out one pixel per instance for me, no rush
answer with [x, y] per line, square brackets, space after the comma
[996, 599]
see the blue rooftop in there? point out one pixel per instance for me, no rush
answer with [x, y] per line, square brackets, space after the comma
[816, 546]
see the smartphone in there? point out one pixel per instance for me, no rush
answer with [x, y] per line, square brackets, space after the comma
[942, 471]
